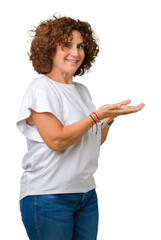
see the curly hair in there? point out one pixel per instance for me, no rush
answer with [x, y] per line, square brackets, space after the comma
[58, 30]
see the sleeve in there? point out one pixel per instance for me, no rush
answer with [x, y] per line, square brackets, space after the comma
[87, 96]
[39, 101]
[88, 92]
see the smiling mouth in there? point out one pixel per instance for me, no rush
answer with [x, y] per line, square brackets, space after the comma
[72, 61]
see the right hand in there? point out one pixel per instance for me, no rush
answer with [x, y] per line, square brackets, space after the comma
[117, 109]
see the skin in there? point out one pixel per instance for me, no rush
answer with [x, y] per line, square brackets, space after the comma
[114, 110]
[62, 71]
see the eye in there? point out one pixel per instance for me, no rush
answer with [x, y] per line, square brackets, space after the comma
[80, 46]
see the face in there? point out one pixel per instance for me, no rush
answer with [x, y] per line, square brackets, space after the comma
[69, 59]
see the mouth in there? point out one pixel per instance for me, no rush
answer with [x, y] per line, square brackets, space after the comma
[72, 61]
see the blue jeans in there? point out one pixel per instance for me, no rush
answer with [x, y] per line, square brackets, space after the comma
[71, 216]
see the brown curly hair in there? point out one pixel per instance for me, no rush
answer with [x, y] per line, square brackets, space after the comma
[58, 30]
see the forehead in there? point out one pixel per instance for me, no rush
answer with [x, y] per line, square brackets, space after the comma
[75, 37]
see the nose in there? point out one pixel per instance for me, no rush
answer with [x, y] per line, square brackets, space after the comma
[74, 51]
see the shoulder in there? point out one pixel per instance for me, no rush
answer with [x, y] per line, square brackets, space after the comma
[42, 90]
[81, 86]
[39, 83]
[43, 85]
[84, 89]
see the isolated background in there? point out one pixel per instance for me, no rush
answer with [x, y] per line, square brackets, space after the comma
[128, 67]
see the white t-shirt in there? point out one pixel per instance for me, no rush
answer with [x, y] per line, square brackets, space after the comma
[48, 171]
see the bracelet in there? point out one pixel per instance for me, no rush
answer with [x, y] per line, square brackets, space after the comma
[94, 121]
[93, 118]
[96, 116]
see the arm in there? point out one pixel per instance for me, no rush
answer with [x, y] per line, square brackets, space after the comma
[72, 133]
[58, 137]
[55, 135]
[104, 131]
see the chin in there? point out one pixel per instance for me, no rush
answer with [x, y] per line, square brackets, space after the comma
[72, 71]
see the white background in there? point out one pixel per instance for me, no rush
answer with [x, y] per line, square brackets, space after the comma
[128, 67]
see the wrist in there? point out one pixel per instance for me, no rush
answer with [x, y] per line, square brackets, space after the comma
[107, 125]
[95, 119]
[99, 115]
[108, 120]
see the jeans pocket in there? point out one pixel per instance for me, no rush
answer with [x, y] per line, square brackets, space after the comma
[21, 207]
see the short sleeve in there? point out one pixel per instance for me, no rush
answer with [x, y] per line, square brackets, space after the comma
[86, 96]
[39, 101]
[86, 89]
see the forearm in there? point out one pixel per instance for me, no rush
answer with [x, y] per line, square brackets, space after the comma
[104, 133]
[72, 133]
[104, 130]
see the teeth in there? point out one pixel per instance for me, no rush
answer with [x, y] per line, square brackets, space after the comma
[71, 61]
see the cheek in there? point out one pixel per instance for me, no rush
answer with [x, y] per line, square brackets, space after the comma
[62, 55]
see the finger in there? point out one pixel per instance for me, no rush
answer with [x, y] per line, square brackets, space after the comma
[125, 102]
[140, 106]
[118, 105]
[125, 110]
[131, 109]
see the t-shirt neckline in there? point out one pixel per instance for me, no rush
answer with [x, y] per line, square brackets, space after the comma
[61, 84]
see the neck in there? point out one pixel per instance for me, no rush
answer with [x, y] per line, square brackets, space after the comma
[60, 77]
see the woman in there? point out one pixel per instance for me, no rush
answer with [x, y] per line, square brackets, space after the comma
[64, 132]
